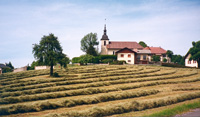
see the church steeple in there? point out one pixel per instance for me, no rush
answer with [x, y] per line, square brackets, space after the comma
[105, 37]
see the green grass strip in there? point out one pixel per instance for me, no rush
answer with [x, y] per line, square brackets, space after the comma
[176, 110]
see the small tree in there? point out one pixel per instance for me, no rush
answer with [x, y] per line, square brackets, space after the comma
[88, 42]
[84, 59]
[10, 65]
[48, 51]
[143, 44]
[169, 53]
[156, 58]
[63, 60]
[195, 52]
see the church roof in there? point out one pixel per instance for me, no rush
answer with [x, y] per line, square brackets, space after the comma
[121, 45]
[156, 50]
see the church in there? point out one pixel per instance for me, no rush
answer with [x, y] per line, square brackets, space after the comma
[131, 52]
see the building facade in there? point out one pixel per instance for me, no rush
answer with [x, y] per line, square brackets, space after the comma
[131, 52]
[190, 63]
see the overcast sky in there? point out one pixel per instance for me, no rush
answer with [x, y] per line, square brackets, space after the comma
[171, 24]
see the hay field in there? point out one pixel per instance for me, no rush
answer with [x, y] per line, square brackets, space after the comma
[110, 90]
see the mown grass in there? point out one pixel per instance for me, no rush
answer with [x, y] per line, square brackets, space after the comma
[176, 110]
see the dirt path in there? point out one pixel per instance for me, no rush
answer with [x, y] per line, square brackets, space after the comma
[192, 113]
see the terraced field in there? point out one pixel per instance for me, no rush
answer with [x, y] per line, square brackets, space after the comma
[98, 90]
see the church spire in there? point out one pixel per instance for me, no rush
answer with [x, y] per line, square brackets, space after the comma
[104, 37]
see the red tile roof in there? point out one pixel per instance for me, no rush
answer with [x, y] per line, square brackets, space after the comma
[121, 45]
[156, 50]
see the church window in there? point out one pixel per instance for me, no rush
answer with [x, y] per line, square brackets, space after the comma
[104, 42]
[122, 55]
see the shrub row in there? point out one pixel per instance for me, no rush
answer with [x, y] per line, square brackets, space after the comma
[20, 108]
[129, 106]
[186, 89]
[9, 100]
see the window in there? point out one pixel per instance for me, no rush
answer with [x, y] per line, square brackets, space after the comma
[144, 57]
[138, 57]
[129, 61]
[104, 42]
[194, 61]
[189, 62]
[129, 55]
[113, 52]
[122, 55]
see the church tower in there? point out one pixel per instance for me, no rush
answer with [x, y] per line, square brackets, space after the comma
[104, 42]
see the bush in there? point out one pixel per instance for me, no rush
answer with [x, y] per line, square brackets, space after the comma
[165, 60]
[118, 62]
[173, 65]
[107, 61]
[101, 57]
[75, 60]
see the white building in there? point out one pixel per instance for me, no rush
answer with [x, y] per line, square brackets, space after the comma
[189, 63]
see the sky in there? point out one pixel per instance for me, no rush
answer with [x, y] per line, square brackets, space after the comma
[170, 24]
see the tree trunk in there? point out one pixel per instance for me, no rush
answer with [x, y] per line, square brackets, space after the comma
[198, 63]
[51, 69]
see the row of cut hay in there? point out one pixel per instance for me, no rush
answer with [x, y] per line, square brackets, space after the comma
[121, 73]
[97, 84]
[89, 91]
[75, 81]
[112, 72]
[186, 89]
[59, 83]
[22, 108]
[129, 106]
[20, 75]
[72, 77]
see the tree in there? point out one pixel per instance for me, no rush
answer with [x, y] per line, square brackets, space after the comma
[164, 60]
[156, 58]
[195, 52]
[88, 42]
[48, 51]
[169, 53]
[143, 44]
[10, 65]
[84, 59]
[63, 60]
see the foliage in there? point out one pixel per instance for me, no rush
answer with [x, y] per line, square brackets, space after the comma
[84, 59]
[107, 60]
[88, 42]
[169, 53]
[10, 65]
[6, 70]
[118, 63]
[48, 51]
[75, 60]
[143, 44]
[165, 60]
[173, 65]
[156, 58]
[101, 57]
[56, 74]
[195, 52]
[63, 60]
[178, 59]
